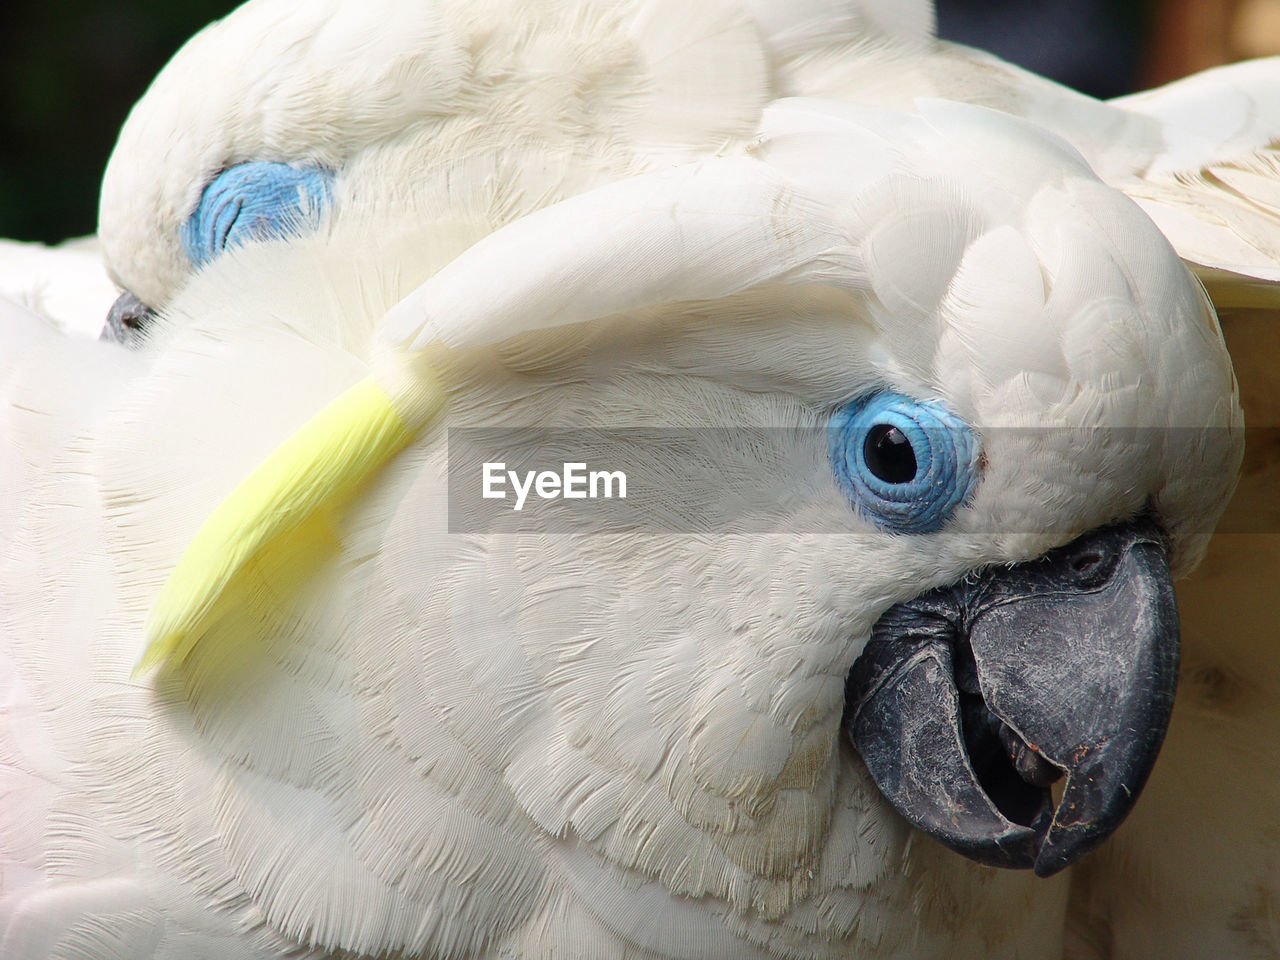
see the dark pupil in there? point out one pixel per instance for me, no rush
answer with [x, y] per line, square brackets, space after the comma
[888, 454]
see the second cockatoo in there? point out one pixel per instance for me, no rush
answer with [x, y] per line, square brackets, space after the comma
[284, 116]
[715, 721]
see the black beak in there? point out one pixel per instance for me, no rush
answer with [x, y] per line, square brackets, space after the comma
[970, 700]
[127, 320]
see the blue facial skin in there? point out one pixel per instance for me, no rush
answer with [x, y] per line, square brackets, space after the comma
[906, 464]
[257, 200]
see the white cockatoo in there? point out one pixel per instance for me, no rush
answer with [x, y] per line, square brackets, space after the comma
[905, 391]
[400, 134]
[306, 116]
[284, 115]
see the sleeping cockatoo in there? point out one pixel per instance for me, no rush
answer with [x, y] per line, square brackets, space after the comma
[914, 462]
[285, 115]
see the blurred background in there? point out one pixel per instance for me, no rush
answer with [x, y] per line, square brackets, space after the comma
[70, 70]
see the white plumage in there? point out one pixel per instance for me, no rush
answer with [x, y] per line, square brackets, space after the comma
[457, 745]
[432, 105]
[66, 284]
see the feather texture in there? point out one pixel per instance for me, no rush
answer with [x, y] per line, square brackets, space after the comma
[402, 738]
[395, 738]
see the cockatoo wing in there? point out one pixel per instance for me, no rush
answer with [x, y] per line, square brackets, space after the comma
[102, 895]
[1214, 185]
[67, 283]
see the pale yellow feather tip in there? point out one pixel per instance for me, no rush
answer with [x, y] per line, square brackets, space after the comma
[325, 460]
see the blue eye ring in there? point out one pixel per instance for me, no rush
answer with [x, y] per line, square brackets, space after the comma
[255, 200]
[907, 464]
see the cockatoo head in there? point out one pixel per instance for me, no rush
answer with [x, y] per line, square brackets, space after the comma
[283, 116]
[928, 418]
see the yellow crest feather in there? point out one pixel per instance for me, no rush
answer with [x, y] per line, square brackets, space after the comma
[344, 444]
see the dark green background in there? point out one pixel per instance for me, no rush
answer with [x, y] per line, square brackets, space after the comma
[70, 70]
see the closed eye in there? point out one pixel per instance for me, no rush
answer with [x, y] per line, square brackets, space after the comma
[257, 200]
